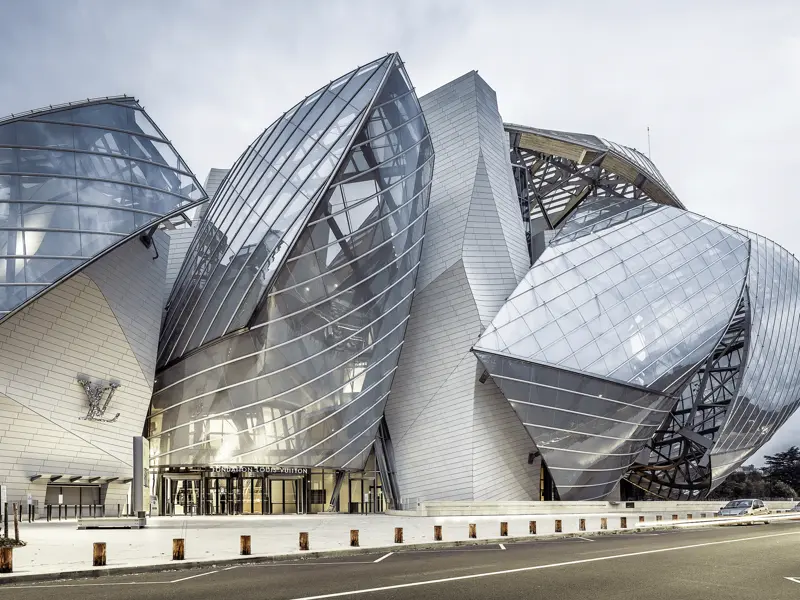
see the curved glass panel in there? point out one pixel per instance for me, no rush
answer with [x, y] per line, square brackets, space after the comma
[770, 388]
[260, 208]
[316, 307]
[75, 181]
[639, 296]
[589, 430]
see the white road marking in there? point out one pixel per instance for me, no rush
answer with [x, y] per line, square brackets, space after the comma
[63, 585]
[384, 557]
[539, 567]
[578, 537]
[795, 579]
[310, 563]
[194, 576]
[233, 567]
[502, 547]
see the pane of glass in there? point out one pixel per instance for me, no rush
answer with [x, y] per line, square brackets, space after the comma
[103, 167]
[99, 140]
[46, 161]
[31, 133]
[104, 193]
[52, 243]
[153, 201]
[8, 160]
[140, 123]
[48, 189]
[104, 219]
[49, 216]
[102, 114]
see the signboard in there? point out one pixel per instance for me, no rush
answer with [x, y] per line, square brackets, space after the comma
[3, 498]
[262, 469]
[30, 499]
[61, 498]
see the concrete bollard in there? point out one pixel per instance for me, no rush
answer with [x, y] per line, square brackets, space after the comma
[674, 517]
[437, 533]
[398, 535]
[244, 545]
[603, 522]
[582, 524]
[532, 527]
[178, 549]
[623, 522]
[641, 518]
[6, 560]
[354, 538]
[99, 554]
[659, 517]
[503, 528]
[473, 533]
[303, 540]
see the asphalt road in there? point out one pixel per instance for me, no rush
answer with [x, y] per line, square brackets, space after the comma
[716, 563]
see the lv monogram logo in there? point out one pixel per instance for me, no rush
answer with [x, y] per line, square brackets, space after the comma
[95, 391]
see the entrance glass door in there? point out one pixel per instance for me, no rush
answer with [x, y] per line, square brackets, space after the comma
[287, 496]
[252, 490]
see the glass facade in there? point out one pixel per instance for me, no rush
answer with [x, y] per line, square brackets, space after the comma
[651, 343]
[286, 322]
[75, 181]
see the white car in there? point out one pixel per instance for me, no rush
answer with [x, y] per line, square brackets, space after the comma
[742, 508]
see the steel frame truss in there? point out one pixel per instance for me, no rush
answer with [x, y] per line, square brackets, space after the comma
[679, 466]
[550, 187]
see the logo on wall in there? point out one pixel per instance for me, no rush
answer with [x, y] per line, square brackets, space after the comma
[99, 394]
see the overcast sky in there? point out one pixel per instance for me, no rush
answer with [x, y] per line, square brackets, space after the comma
[718, 84]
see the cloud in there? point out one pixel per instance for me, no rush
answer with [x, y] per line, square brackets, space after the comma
[718, 83]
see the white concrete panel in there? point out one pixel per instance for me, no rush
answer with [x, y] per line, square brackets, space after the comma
[453, 437]
[102, 322]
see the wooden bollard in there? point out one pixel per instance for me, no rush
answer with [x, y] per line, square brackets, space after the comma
[582, 524]
[178, 549]
[659, 518]
[503, 528]
[16, 523]
[244, 545]
[303, 540]
[641, 518]
[702, 515]
[354, 538]
[398, 535]
[473, 531]
[532, 527]
[99, 554]
[437, 533]
[674, 517]
[6, 560]
[623, 522]
[603, 522]
[558, 525]
[689, 517]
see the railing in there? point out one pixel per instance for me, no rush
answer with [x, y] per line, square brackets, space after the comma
[58, 512]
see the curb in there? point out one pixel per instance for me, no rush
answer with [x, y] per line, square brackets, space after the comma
[294, 556]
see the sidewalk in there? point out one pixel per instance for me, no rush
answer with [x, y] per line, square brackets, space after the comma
[59, 547]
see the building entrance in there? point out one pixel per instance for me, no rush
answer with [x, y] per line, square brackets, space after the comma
[287, 496]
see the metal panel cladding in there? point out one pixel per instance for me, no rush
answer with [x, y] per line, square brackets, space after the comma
[619, 310]
[307, 260]
[769, 391]
[77, 180]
